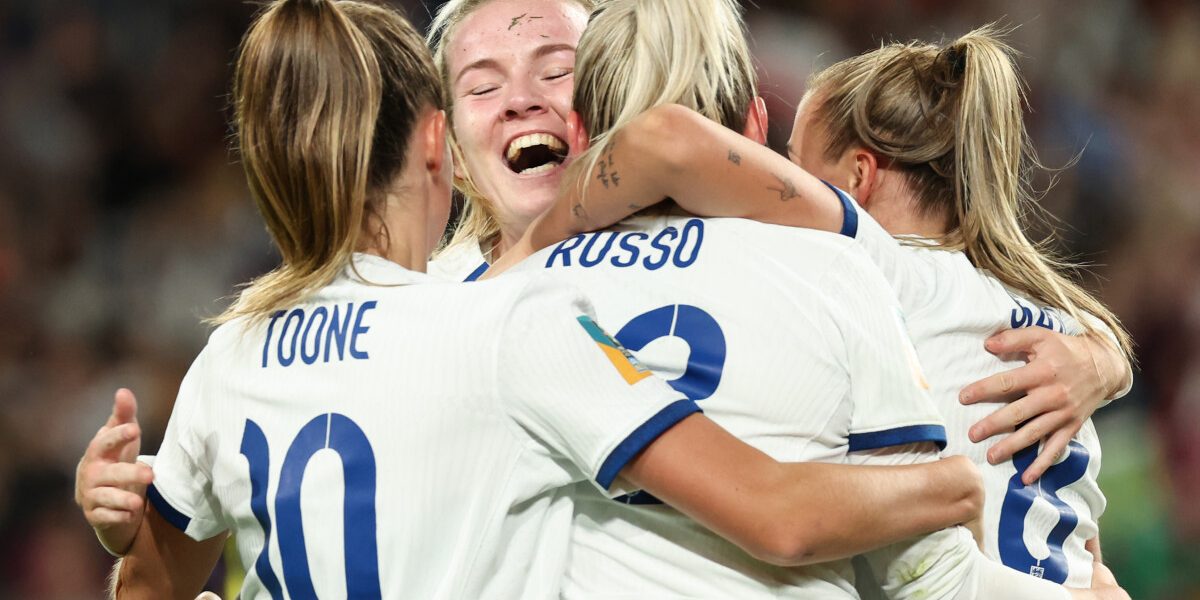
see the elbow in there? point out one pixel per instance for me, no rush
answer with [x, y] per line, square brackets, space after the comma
[790, 542]
[663, 135]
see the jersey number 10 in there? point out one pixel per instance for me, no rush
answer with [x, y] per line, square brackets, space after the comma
[333, 432]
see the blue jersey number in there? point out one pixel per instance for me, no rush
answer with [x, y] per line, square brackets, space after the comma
[694, 326]
[1019, 499]
[333, 432]
[706, 360]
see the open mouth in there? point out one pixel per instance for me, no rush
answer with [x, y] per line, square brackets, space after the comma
[535, 153]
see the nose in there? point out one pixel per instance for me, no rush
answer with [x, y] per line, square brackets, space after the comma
[523, 100]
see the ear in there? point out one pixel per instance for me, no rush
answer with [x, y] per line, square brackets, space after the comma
[435, 142]
[578, 140]
[756, 120]
[865, 177]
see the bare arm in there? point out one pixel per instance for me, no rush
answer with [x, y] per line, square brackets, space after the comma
[710, 170]
[165, 563]
[800, 513]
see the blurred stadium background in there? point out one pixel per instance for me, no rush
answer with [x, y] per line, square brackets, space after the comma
[124, 219]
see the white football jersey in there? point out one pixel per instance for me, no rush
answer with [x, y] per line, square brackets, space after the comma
[790, 339]
[463, 261]
[952, 308]
[399, 437]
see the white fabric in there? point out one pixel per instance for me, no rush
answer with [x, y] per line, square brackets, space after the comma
[456, 263]
[467, 409]
[790, 339]
[952, 308]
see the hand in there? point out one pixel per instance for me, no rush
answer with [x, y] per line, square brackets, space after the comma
[1065, 381]
[110, 486]
[1104, 586]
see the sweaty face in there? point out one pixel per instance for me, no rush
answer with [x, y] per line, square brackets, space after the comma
[511, 66]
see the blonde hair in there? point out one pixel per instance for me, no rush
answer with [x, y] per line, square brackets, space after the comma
[951, 117]
[326, 94]
[478, 222]
[638, 54]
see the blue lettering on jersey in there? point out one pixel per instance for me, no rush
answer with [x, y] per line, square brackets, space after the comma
[678, 247]
[1029, 315]
[324, 328]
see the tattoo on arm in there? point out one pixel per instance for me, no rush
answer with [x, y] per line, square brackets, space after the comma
[786, 189]
[735, 158]
[606, 170]
[516, 21]
[578, 211]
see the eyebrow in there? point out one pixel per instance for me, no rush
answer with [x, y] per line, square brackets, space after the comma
[489, 63]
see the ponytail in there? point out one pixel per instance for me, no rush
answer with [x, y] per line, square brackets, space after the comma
[325, 96]
[952, 119]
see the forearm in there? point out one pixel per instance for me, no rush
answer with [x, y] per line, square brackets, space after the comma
[867, 507]
[164, 563]
[706, 168]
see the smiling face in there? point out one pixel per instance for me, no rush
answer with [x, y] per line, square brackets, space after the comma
[511, 71]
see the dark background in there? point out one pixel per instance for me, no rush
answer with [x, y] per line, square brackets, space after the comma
[124, 219]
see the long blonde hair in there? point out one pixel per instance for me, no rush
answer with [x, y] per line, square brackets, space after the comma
[951, 117]
[638, 54]
[326, 94]
[477, 222]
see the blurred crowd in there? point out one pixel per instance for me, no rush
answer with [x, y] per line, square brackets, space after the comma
[125, 220]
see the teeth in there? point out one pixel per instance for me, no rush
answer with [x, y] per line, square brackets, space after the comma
[534, 139]
[542, 169]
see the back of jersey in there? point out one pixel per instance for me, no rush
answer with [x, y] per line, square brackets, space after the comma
[952, 308]
[789, 339]
[379, 440]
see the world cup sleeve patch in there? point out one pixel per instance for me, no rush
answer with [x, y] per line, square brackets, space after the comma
[625, 363]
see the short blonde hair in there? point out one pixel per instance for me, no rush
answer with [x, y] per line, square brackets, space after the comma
[638, 54]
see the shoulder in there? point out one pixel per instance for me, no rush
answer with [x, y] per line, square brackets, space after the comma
[457, 261]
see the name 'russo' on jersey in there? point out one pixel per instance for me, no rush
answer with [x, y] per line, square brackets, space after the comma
[670, 246]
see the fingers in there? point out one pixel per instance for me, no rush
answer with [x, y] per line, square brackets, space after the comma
[1014, 341]
[1029, 434]
[999, 386]
[129, 476]
[1051, 451]
[112, 500]
[1009, 417]
[108, 444]
[124, 406]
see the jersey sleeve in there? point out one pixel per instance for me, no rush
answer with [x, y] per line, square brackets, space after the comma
[576, 391]
[182, 488]
[888, 391]
[912, 284]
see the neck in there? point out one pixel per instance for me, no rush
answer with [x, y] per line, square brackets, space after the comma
[896, 208]
[508, 237]
[402, 234]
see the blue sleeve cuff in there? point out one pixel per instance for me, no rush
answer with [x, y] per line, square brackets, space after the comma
[641, 437]
[168, 512]
[477, 273]
[849, 212]
[899, 436]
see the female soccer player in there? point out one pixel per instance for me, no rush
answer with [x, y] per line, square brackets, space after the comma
[931, 140]
[367, 431]
[508, 68]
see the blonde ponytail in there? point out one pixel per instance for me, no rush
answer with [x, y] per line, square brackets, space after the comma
[325, 94]
[952, 118]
